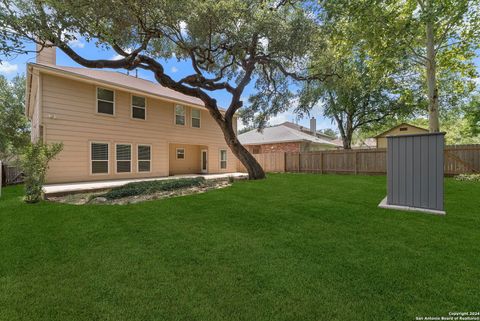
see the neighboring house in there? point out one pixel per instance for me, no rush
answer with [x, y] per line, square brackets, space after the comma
[287, 137]
[116, 126]
[402, 129]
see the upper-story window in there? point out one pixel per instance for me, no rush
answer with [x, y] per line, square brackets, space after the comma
[195, 118]
[180, 115]
[139, 106]
[105, 101]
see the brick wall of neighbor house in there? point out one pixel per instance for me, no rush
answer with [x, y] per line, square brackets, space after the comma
[274, 148]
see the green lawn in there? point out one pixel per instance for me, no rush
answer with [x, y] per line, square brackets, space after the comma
[292, 247]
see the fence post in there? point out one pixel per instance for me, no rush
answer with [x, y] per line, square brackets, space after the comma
[356, 161]
[1, 178]
[321, 163]
[284, 162]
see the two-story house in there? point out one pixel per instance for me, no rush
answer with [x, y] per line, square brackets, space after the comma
[116, 126]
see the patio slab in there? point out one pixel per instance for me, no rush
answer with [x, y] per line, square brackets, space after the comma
[67, 188]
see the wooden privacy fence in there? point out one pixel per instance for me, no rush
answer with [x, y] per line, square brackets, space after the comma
[459, 159]
[11, 175]
[271, 162]
[367, 161]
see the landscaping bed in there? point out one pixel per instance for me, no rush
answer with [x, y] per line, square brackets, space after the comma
[143, 191]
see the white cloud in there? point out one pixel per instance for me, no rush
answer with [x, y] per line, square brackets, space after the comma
[240, 124]
[183, 27]
[174, 69]
[76, 43]
[281, 118]
[7, 68]
[118, 57]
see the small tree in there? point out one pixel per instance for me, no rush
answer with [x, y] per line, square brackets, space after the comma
[34, 161]
[229, 43]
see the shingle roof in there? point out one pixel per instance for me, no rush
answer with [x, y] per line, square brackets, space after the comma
[306, 130]
[280, 134]
[117, 78]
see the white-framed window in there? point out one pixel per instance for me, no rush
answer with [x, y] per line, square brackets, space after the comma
[99, 158]
[123, 158]
[139, 107]
[180, 115]
[105, 101]
[196, 118]
[144, 154]
[223, 159]
[180, 152]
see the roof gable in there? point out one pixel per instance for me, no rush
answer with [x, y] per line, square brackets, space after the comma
[399, 125]
[118, 79]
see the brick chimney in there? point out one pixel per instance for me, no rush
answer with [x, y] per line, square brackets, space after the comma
[313, 126]
[47, 55]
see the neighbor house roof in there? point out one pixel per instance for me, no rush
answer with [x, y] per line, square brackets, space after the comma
[280, 134]
[399, 125]
[118, 79]
[306, 130]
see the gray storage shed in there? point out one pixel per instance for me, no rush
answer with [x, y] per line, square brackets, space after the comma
[415, 172]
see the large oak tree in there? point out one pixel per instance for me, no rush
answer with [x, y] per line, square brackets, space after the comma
[229, 43]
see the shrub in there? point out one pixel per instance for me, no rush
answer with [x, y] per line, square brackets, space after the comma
[468, 177]
[34, 162]
[149, 187]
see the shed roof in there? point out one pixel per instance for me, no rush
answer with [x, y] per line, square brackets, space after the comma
[399, 125]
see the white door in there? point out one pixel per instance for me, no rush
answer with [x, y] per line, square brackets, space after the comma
[204, 161]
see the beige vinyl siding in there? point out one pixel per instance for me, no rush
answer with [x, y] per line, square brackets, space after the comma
[69, 115]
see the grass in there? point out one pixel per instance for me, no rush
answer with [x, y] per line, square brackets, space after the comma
[292, 247]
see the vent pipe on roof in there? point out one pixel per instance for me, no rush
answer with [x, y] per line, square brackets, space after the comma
[46, 55]
[313, 126]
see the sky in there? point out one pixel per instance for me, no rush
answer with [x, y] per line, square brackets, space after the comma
[11, 66]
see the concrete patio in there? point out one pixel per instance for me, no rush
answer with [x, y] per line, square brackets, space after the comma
[67, 188]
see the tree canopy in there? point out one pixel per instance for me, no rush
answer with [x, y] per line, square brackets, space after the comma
[438, 38]
[14, 128]
[229, 43]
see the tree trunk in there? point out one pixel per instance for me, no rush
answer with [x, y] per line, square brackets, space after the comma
[255, 171]
[346, 133]
[347, 142]
[434, 125]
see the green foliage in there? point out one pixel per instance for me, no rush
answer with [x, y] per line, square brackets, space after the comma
[227, 41]
[329, 132]
[14, 127]
[34, 162]
[149, 187]
[394, 32]
[468, 177]
[367, 89]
